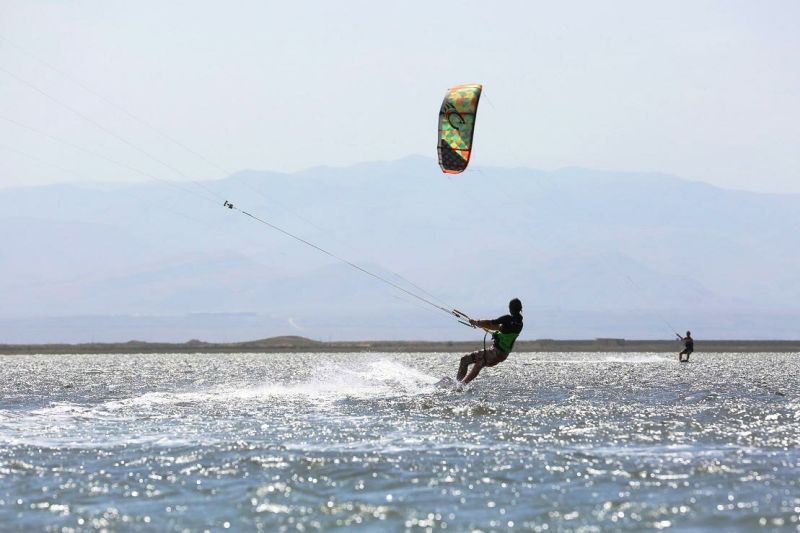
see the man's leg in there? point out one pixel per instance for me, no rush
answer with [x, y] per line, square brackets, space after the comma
[473, 372]
[464, 364]
[480, 359]
[484, 358]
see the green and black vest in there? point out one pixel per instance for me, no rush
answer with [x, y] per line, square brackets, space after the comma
[510, 328]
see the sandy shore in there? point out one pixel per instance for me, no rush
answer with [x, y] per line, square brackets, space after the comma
[301, 344]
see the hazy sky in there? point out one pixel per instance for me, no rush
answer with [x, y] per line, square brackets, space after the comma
[706, 90]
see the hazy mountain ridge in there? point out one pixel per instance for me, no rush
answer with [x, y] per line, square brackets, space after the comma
[573, 240]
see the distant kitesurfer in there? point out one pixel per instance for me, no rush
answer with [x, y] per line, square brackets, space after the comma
[505, 330]
[688, 347]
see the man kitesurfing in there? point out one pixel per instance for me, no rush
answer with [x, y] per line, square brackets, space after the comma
[505, 330]
[688, 347]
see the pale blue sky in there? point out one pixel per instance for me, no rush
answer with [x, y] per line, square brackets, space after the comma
[706, 90]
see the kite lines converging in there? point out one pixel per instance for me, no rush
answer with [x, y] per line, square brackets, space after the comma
[208, 194]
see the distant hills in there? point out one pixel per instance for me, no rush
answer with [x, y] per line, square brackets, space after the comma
[591, 253]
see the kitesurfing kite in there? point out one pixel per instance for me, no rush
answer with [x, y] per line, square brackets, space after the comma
[456, 126]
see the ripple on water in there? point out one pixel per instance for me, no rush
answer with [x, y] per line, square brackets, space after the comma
[275, 441]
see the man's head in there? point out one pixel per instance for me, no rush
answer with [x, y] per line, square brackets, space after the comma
[688, 333]
[515, 306]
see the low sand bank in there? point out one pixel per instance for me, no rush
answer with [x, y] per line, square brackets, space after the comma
[301, 344]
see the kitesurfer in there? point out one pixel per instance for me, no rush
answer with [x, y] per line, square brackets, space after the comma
[688, 347]
[505, 330]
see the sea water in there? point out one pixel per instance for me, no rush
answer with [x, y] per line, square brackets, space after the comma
[285, 442]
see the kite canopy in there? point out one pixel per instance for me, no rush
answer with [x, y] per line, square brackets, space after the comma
[456, 126]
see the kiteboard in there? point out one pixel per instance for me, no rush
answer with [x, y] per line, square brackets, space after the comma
[446, 383]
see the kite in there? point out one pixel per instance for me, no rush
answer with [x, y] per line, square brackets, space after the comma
[456, 127]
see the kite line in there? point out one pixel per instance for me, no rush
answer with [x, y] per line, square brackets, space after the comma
[460, 316]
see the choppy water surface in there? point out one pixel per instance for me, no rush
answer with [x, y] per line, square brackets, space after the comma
[543, 442]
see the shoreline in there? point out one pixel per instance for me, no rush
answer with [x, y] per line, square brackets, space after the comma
[301, 344]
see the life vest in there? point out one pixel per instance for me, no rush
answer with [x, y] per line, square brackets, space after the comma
[504, 341]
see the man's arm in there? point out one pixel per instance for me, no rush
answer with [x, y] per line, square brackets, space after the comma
[485, 324]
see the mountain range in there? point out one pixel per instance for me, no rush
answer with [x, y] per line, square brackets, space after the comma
[591, 254]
